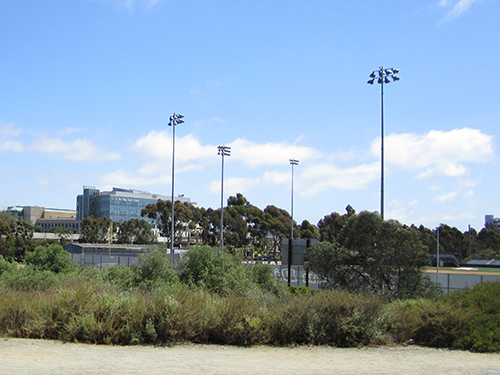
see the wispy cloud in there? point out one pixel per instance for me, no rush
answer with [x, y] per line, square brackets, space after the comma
[437, 152]
[132, 4]
[78, 150]
[455, 8]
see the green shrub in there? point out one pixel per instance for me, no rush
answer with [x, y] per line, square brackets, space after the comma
[215, 270]
[262, 276]
[482, 306]
[5, 265]
[27, 278]
[51, 258]
[328, 318]
[154, 269]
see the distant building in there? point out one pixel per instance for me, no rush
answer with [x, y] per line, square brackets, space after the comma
[491, 220]
[47, 218]
[118, 205]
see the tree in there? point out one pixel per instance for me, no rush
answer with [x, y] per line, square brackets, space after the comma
[135, 231]
[332, 263]
[6, 238]
[160, 212]
[62, 233]
[277, 222]
[51, 258]
[489, 242]
[186, 216]
[307, 230]
[97, 230]
[331, 225]
[382, 257]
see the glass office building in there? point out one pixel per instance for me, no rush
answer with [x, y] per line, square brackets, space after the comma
[119, 205]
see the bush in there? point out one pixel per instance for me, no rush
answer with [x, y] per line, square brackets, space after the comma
[334, 318]
[5, 265]
[215, 270]
[153, 269]
[467, 319]
[482, 329]
[51, 258]
[262, 276]
[27, 278]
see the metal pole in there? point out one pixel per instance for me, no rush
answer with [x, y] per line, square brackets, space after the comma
[290, 243]
[223, 151]
[292, 162]
[175, 119]
[172, 226]
[292, 203]
[382, 76]
[437, 257]
[222, 205]
[382, 149]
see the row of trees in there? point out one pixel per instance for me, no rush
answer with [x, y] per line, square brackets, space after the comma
[245, 226]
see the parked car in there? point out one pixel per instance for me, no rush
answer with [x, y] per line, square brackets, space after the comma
[268, 258]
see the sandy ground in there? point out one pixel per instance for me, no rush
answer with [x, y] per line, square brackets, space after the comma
[22, 356]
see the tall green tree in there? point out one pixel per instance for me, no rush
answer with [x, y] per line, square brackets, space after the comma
[382, 257]
[331, 225]
[135, 231]
[308, 230]
[186, 216]
[97, 230]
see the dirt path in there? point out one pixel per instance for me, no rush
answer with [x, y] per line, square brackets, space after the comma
[33, 357]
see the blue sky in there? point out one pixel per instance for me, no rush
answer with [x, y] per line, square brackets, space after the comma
[87, 87]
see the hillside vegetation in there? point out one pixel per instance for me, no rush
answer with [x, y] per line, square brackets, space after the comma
[214, 299]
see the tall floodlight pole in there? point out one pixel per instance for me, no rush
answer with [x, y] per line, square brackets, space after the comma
[292, 162]
[290, 243]
[437, 256]
[175, 119]
[382, 76]
[223, 151]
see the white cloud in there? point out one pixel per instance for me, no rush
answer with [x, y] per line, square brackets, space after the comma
[245, 185]
[457, 7]
[271, 153]
[131, 4]
[447, 196]
[158, 144]
[437, 152]
[77, 150]
[122, 177]
[8, 131]
[324, 177]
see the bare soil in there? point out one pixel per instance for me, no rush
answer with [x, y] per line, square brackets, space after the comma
[23, 356]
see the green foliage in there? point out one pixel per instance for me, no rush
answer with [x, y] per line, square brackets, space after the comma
[27, 278]
[5, 265]
[153, 270]
[467, 320]
[215, 270]
[329, 318]
[308, 230]
[136, 231]
[96, 230]
[382, 257]
[51, 258]
[261, 275]
[91, 306]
